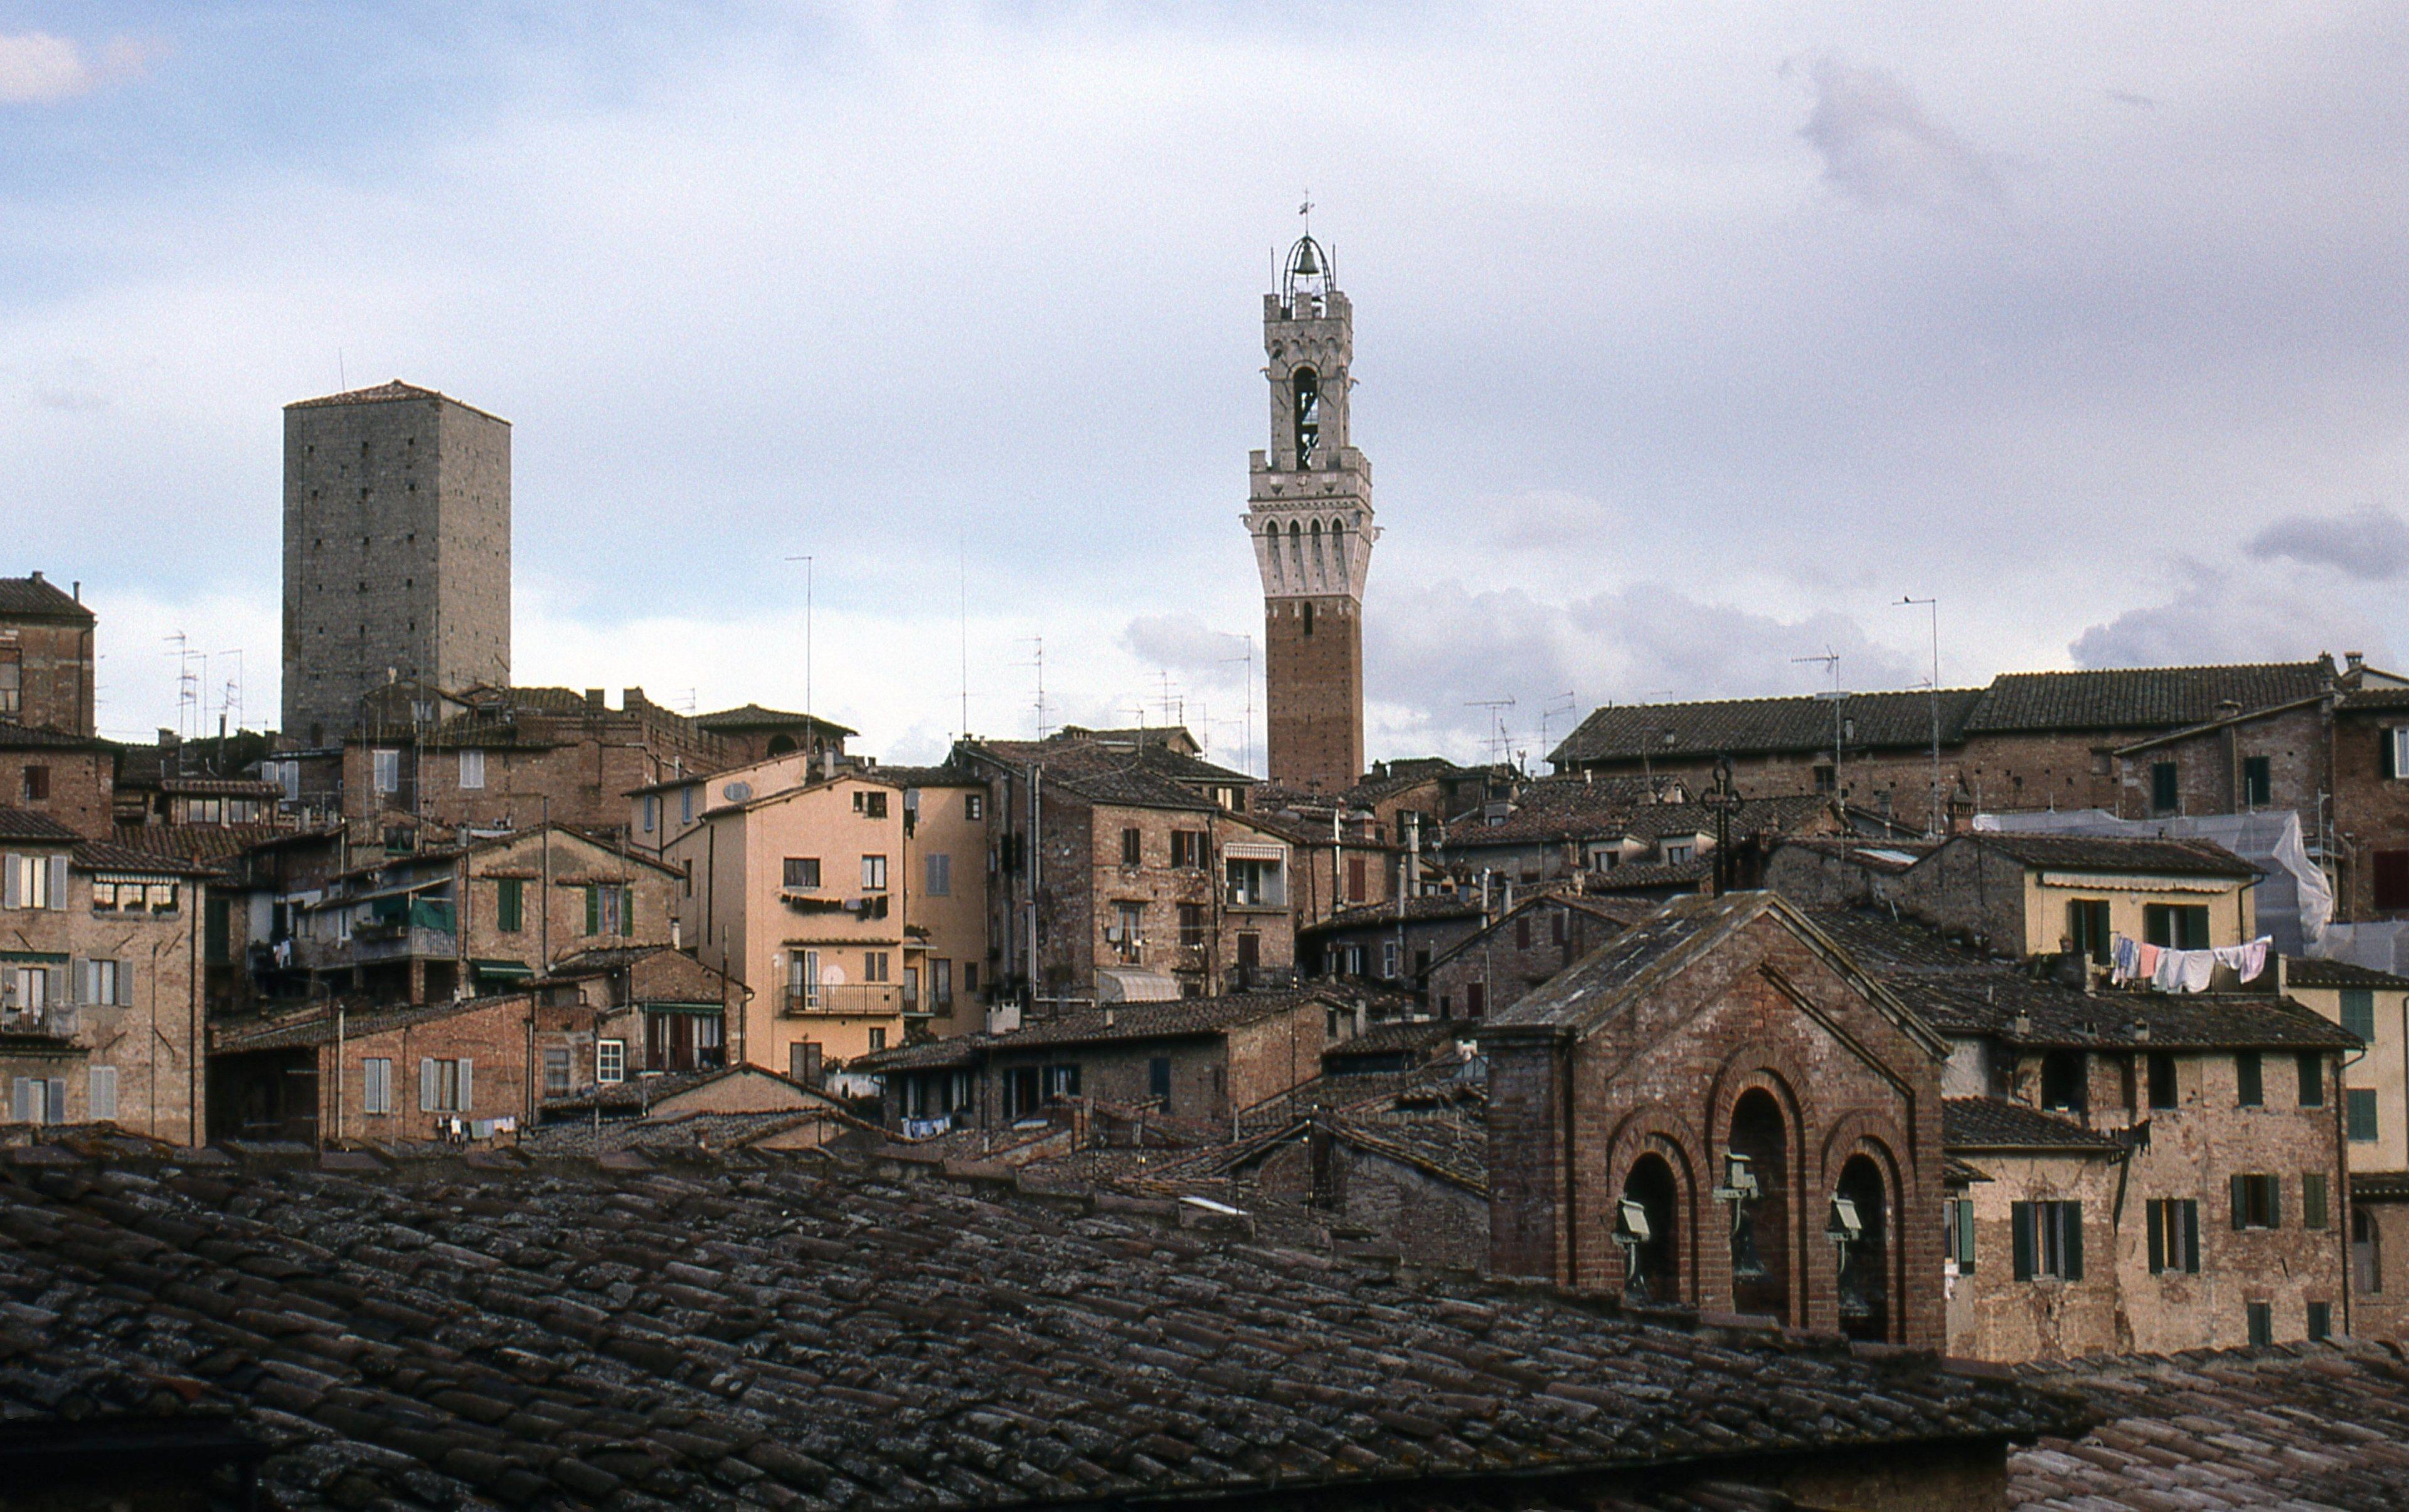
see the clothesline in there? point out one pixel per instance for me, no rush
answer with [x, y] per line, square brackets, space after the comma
[2182, 971]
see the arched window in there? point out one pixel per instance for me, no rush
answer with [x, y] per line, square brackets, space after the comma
[1297, 550]
[1865, 1259]
[2366, 1253]
[1321, 564]
[1760, 1237]
[1647, 1229]
[782, 745]
[1304, 391]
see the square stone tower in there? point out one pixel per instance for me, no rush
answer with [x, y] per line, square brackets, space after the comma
[1309, 511]
[396, 551]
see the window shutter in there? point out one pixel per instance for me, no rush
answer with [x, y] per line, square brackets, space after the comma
[427, 1086]
[20, 1106]
[102, 1094]
[626, 911]
[2191, 1237]
[2021, 1219]
[55, 1106]
[2241, 1201]
[593, 909]
[2157, 1212]
[1966, 1237]
[2313, 1200]
[125, 983]
[2073, 1212]
[59, 882]
[12, 888]
[467, 1069]
[79, 983]
[2383, 739]
[2275, 1202]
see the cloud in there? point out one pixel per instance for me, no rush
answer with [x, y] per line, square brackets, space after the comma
[2370, 543]
[1185, 644]
[37, 68]
[2220, 618]
[1880, 147]
[1434, 653]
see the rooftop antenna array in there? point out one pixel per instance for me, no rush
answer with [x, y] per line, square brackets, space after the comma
[1497, 742]
[1562, 703]
[230, 696]
[1836, 697]
[1247, 750]
[1174, 706]
[1038, 660]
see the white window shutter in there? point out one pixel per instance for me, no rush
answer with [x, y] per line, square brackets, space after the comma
[12, 885]
[20, 1106]
[467, 1098]
[104, 1093]
[58, 882]
[427, 1086]
[55, 1106]
[78, 980]
[125, 983]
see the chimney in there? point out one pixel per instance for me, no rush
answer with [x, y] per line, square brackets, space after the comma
[2352, 660]
[632, 699]
[594, 701]
[1108, 1016]
[37, 574]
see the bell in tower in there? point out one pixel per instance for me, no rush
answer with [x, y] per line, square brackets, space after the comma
[1309, 511]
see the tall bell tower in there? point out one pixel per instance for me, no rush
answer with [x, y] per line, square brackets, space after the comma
[1309, 510]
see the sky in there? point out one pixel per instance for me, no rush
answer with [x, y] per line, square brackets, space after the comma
[1690, 340]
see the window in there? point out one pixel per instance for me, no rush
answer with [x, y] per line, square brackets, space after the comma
[970, 979]
[869, 804]
[2062, 1077]
[2313, 1200]
[100, 1094]
[1157, 1081]
[2249, 1081]
[685, 805]
[2320, 1322]
[2258, 1202]
[556, 1071]
[1355, 879]
[2048, 1240]
[40, 1101]
[941, 985]
[873, 873]
[1476, 999]
[2358, 1013]
[2312, 1065]
[648, 810]
[2166, 787]
[2262, 1322]
[2174, 1235]
[1253, 882]
[12, 681]
[1558, 922]
[941, 876]
[387, 775]
[974, 806]
[2391, 872]
[2163, 1093]
[1131, 852]
[877, 1040]
[1957, 1234]
[803, 979]
[2086, 927]
[2366, 1253]
[1521, 931]
[2175, 926]
[510, 904]
[1062, 1081]
[2396, 751]
[106, 982]
[803, 873]
[37, 881]
[1678, 851]
[1827, 780]
[1389, 959]
[609, 908]
[609, 1061]
[2257, 783]
[376, 1084]
[446, 1086]
[472, 772]
[1130, 920]
[875, 966]
[1304, 391]
[1192, 925]
[38, 784]
[2360, 1114]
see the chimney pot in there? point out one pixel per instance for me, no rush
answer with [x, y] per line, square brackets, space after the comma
[593, 699]
[2353, 659]
[37, 574]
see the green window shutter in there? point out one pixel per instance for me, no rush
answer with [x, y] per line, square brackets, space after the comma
[2313, 1200]
[2191, 1237]
[2249, 1079]
[2241, 1200]
[508, 901]
[1965, 1236]
[2360, 1103]
[2384, 753]
[2275, 1202]
[593, 909]
[626, 911]
[2157, 1217]
[2073, 1212]
[2020, 1219]
[2358, 1013]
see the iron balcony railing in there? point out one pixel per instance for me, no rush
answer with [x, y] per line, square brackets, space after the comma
[841, 997]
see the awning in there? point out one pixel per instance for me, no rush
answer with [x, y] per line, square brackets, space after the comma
[703, 1009]
[34, 958]
[2106, 882]
[1124, 984]
[503, 970]
[398, 890]
[1249, 850]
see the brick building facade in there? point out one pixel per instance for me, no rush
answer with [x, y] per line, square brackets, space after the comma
[1721, 1054]
[47, 657]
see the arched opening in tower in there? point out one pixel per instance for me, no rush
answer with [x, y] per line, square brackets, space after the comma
[1305, 388]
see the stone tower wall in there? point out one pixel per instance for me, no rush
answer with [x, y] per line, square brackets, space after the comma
[397, 552]
[1313, 687]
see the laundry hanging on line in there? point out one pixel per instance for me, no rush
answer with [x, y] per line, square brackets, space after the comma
[2182, 971]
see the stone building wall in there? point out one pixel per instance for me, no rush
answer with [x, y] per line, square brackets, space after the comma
[396, 551]
[70, 780]
[1432, 1222]
[1313, 692]
[2371, 812]
[1992, 1315]
[1512, 956]
[2209, 768]
[493, 1037]
[1271, 1056]
[52, 652]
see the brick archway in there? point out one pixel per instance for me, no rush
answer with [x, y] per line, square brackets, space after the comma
[1782, 1214]
[1661, 1132]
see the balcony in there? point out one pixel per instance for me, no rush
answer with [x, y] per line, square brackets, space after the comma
[871, 998]
[50, 1021]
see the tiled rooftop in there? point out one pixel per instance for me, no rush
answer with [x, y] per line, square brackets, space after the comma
[2311, 971]
[2294, 1426]
[758, 1333]
[38, 595]
[2100, 853]
[1990, 1123]
[24, 824]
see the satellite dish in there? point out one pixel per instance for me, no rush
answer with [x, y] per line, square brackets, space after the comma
[737, 792]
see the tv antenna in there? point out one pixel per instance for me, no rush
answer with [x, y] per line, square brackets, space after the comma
[1246, 751]
[1496, 740]
[1836, 697]
[1038, 661]
[807, 645]
[1562, 703]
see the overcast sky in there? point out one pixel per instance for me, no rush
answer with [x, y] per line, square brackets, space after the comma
[1689, 338]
